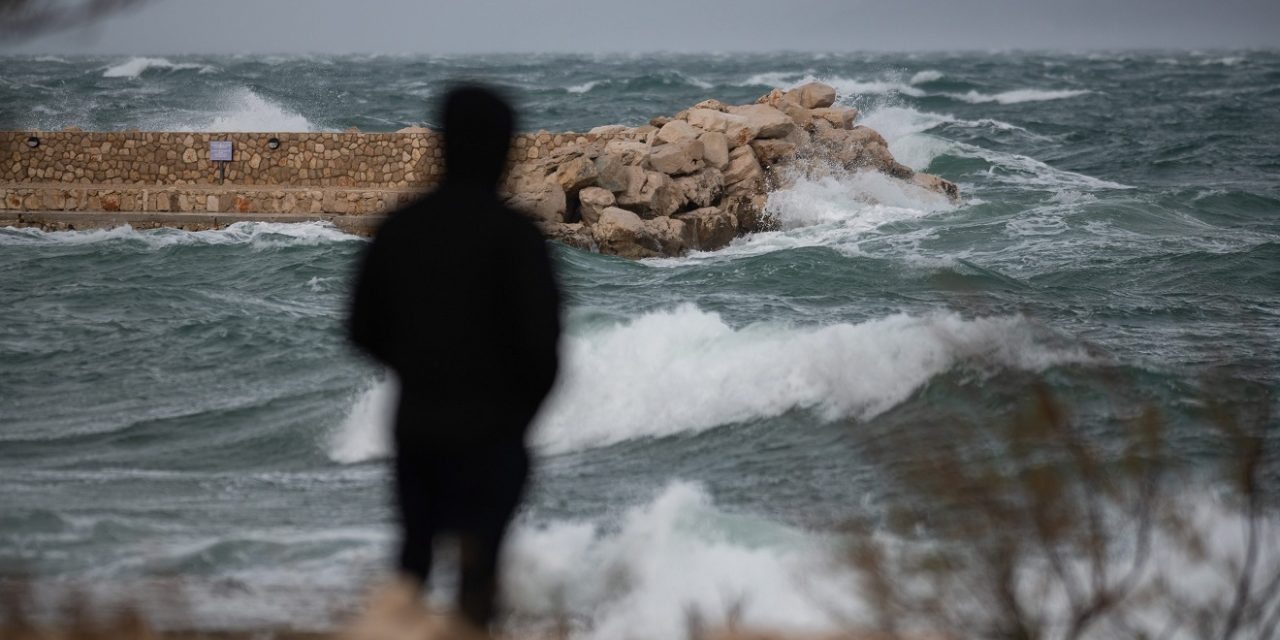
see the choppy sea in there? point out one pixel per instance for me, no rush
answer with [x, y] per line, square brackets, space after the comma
[181, 408]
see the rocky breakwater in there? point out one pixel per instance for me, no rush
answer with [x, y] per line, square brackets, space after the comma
[696, 180]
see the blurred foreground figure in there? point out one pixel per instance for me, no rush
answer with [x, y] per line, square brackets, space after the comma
[457, 296]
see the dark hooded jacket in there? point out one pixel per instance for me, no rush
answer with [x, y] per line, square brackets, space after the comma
[456, 295]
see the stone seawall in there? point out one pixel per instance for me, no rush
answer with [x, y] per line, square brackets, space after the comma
[692, 181]
[307, 173]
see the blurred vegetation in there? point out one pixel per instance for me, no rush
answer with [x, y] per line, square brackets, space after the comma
[1038, 528]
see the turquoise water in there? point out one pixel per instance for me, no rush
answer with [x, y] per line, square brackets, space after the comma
[182, 405]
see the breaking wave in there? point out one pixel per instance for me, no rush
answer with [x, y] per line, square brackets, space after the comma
[685, 370]
[135, 67]
[259, 235]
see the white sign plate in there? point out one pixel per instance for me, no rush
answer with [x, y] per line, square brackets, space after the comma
[220, 150]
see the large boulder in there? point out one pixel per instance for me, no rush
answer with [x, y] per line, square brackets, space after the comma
[711, 228]
[611, 173]
[744, 174]
[631, 152]
[713, 104]
[715, 149]
[838, 117]
[592, 201]
[622, 233]
[677, 158]
[672, 237]
[677, 130]
[768, 121]
[813, 95]
[608, 129]
[713, 119]
[656, 196]
[701, 189]
[572, 234]
[771, 152]
[546, 203]
[749, 209]
[575, 173]
[936, 184]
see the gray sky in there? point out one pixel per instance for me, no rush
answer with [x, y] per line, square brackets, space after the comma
[468, 26]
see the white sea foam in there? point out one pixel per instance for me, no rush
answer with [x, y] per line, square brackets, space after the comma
[856, 202]
[244, 110]
[365, 433]
[1017, 96]
[259, 235]
[675, 555]
[893, 84]
[904, 129]
[685, 370]
[584, 87]
[135, 67]
[928, 75]
[1025, 170]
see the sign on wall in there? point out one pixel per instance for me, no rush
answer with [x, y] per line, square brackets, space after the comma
[220, 150]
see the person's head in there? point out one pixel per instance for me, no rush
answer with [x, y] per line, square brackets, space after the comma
[478, 125]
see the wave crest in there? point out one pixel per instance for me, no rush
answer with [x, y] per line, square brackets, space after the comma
[135, 67]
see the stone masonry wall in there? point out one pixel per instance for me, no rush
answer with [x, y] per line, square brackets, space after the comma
[345, 173]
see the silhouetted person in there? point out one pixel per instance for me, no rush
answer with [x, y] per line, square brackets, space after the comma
[457, 296]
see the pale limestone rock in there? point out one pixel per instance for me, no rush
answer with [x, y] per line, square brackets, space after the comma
[740, 133]
[413, 129]
[546, 204]
[608, 129]
[772, 98]
[592, 201]
[711, 228]
[813, 95]
[749, 209]
[676, 131]
[576, 173]
[771, 152]
[936, 184]
[671, 236]
[768, 121]
[630, 152]
[838, 117]
[713, 120]
[677, 158]
[744, 173]
[700, 189]
[622, 233]
[571, 233]
[656, 196]
[715, 149]
[189, 156]
[713, 104]
[615, 176]
[801, 116]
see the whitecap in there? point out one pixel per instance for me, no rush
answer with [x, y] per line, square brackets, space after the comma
[928, 75]
[685, 370]
[258, 235]
[135, 67]
[584, 87]
[1017, 96]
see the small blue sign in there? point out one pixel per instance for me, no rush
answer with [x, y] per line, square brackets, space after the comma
[220, 150]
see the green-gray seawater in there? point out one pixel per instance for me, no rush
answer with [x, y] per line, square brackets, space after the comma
[183, 404]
